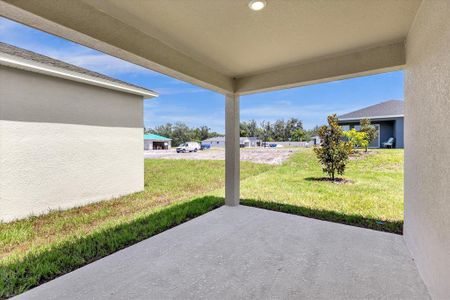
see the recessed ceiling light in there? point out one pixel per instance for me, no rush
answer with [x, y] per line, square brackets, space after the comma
[257, 4]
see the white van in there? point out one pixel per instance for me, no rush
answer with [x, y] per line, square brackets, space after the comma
[188, 147]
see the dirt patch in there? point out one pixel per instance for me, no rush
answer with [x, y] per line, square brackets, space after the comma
[269, 156]
[327, 179]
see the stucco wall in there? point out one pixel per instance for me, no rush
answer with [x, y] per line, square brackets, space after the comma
[427, 145]
[65, 144]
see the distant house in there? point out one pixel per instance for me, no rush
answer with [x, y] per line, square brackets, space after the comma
[215, 142]
[316, 140]
[219, 142]
[156, 142]
[386, 116]
[250, 142]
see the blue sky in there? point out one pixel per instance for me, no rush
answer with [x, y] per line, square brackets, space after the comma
[195, 106]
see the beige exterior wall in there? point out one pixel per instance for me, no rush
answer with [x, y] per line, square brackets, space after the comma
[427, 145]
[65, 144]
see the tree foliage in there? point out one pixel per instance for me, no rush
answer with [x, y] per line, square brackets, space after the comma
[369, 130]
[299, 135]
[250, 129]
[358, 139]
[278, 131]
[181, 133]
[314, 131]
[334, 151]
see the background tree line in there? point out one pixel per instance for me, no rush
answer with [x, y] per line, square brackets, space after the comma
[181, 133]
[278, 131]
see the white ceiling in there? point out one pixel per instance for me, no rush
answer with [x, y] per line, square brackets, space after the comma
[236, 41]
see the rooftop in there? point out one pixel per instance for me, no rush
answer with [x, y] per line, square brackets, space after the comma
[386, 109]
[155, 137]
[24, 59]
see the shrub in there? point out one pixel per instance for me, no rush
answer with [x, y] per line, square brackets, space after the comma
[369, 130]
[357, 138]
[333, 153]
[298, 135]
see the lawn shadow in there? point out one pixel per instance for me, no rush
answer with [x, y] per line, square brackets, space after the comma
[34, 269]
[329, 215]
[328, 179]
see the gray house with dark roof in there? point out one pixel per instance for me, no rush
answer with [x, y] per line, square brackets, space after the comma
[386, 116]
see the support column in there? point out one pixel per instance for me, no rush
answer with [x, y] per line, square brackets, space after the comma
[232, 158]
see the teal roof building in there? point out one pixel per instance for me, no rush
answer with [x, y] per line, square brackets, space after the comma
[155, 137]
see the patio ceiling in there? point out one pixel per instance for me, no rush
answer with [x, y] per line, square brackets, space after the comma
[225, 46]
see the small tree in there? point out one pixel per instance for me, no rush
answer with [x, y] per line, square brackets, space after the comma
[298, 135]
[333, 153]
[369, 130]
[357, 138]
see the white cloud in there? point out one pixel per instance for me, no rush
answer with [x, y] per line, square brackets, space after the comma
[24, 37]
[310, 114]
[102, 63]
[90, 59]
[157, 113]
[290, 110]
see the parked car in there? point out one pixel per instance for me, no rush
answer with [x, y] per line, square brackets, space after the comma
[188, 147]
[205, 146]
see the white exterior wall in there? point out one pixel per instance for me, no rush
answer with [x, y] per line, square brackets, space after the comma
[148, 145]
[427, 145]
[65, 144]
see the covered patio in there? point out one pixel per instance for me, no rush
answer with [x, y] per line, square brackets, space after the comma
[249, 253]
[234, 252]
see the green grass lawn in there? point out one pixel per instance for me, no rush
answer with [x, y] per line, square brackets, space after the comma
[374, 199]
[38, 249]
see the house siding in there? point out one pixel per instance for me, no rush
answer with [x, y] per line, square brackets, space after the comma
[399, 133]
[65, 144]
[388, 128]
[214, 144]
[386, 132]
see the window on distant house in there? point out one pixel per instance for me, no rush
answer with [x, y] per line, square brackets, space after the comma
[345, 127]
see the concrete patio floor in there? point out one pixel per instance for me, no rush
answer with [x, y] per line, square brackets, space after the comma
[243, 252]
